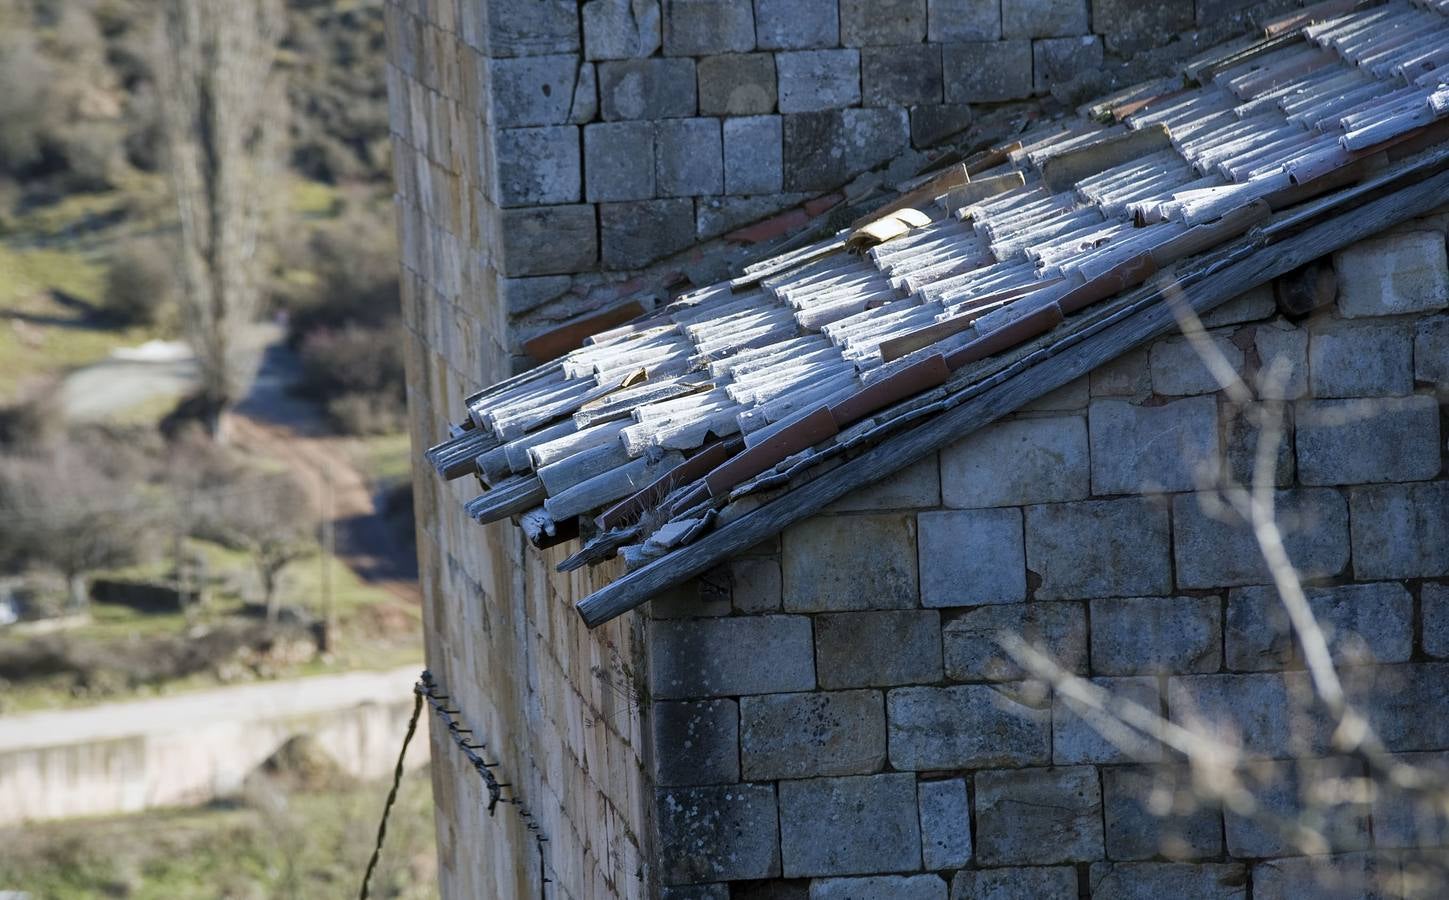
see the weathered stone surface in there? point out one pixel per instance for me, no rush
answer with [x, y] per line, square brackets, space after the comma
[718, 833]
[815, 80]
[874, 136]
[646, 89]
[1157, 880]
[1434, 599]
[973, 653]
[1262, 711]
[1078, 738]
[878, 649]
[945, 824]
[1392, 275]
[1060, 59]
[698, 743]
[688, 158]
[1099, 548]
[971, 557]
[1017, 462]
[695, 892]
[692, 599]
[917, 485]
[620, 29]
[1214, 552]
[1410, 818]
[796, 24]
[1401, 530]
[1367, 441]
[1431, 352]
[1034, 883]
[715, 216]
[1070, 397]
[534, 29]
[1038, 816]
[1249, 306]
[755, 585]
[619, 161]
[636, 234]
[1279, 787]
[737, 84]
[1153, 811]
[702, 27]
[533, 90]
[1283, 361]
[836, 563]
[1338, 877]
[987, 71]
[1151, 635]
[895, 76]
[731, 656]
[1142, 449]
[1362, 358]
[1044, 19]
[814, 151]
[1126, 376]
[965, 727]
[880, 887]
[869, 22]
[1364, 623]
[571, 233]
[537, 166]
[932, 124]
[807, 735]
[1408, 705]
[752, 155]
[948, 21]
[849, 826]
[1241, 436]
[1178, 369]
[521, 295]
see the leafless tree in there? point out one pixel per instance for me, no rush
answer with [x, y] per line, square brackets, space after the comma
[269, 518]
[222, 110]
[1357, 769]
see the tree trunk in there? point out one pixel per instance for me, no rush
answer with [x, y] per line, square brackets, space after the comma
[79, 599]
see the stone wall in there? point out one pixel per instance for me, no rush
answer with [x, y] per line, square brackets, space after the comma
[557, 146]
[834, 717]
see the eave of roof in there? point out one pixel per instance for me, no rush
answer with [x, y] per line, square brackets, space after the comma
[701, 429]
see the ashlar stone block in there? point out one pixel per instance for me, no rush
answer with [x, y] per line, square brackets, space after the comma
[965, 727]
[1393, 274]
[1154, 811]
[878, 649]
[949, 21]
[755, 585]
[945, 824]
[1282, 790]
[879, 887]
[1265, 712]
[737, 84]
[1151, 635]
[731, 656]
[619, 161]
[797, 24]
[865, 23]
[621, 29]
[1368, 441]
[533, 29]
[1362, 358]
[537, 166]
[812, 734]
[656, 88]
[1364, 623]
[1434, 599]
[895, 76]
[1030, 883]
[1018, 462]
[571, 231]
[873, 136]
[837, 563]
[973, 652]
[1153, 880]
[1401, 530]
[1343, 875]
[1143, 449]
[917, 486]
[971, 557]
[933, 123]
[987, 71]
[718, 833]
[1099, 548]
[1060, 59]
[814, 151]
[1078, 734]
[1214, 548]
[1178, 368]
[533, 90]
[1249, 306]
[699, 743]
[1038, 816]
[1044, 19]
[689, 158]
[1408, 705]
[1282, 361]
[752, 155]
[815, 80]
[1431, 352]
[702, 27]
[859, 825]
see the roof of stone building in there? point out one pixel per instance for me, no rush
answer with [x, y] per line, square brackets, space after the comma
[711, 423]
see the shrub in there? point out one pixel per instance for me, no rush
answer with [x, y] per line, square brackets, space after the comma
[358, 373]
[353, 261]
[141, 285]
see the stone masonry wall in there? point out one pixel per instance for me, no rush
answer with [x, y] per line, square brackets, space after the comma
[834, 718]
[557, 146]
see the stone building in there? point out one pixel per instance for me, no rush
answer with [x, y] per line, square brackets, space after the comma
[799, 354]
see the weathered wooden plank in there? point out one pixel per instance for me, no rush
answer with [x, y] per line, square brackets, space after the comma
[900, 450]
